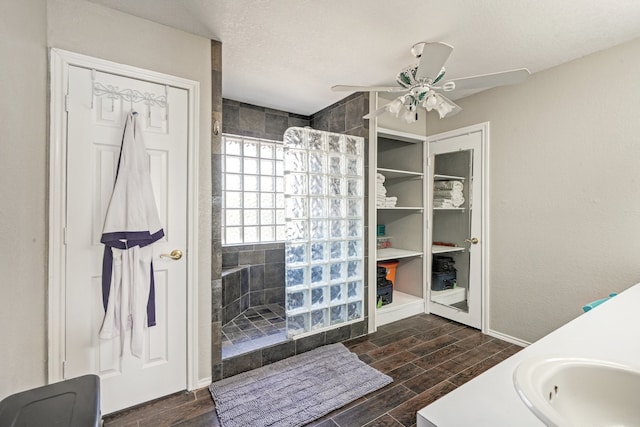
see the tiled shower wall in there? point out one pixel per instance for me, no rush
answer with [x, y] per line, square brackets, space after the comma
[258, 122]
[238, 118]
[260, 277]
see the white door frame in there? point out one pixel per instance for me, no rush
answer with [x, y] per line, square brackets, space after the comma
[483, 128]
[60, 60]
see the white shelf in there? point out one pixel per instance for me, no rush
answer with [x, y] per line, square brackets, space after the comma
[441, 249]
[449, 209]
[397, 173]
[395, 253]
[400, 135]
[403, 306]
[401, 208]
[439, 177]
[449, 296]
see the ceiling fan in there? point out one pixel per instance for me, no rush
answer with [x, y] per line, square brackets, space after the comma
[422, 84]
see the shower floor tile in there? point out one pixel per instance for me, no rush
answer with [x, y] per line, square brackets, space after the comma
[255, 328]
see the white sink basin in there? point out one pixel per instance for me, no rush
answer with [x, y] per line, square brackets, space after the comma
[565, 392]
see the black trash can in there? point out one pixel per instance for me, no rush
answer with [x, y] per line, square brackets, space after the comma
[69, 403]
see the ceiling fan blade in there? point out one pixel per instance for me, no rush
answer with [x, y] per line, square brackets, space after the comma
[347, 88]
[375, 113]
[485, 81]
[432, 59]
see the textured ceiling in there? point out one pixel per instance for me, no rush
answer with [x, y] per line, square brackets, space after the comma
[286, 54]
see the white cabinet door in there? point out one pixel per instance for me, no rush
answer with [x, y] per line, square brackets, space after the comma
[95, 128]
[456, 291]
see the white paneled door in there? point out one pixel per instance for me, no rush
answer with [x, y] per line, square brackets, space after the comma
[458, 157]
[94, 134]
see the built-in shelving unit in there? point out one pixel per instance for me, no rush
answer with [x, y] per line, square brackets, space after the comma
[401, 157]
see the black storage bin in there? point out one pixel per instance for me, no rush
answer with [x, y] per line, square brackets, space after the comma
[384, 293]
[443, 263]
[443, 280]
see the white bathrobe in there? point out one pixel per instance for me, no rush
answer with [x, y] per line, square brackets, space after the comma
[131, 226]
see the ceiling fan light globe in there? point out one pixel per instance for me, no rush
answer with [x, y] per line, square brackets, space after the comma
[409, 116]
[395, 106]
[431, 102]
[444, 109]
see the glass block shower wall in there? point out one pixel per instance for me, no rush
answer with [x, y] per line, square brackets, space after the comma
[324, 255]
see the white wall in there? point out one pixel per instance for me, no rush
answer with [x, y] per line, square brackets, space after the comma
[26, 29]
[23, 169]
[564, 188]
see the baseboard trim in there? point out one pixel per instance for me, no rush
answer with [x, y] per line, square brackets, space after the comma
[508, 338]
[202, 383]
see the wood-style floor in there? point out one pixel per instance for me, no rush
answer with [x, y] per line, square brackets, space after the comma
[426, 356]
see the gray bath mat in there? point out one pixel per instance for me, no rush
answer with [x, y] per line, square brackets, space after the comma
[295, 391]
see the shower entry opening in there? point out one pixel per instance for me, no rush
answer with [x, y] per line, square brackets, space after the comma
[293, 237]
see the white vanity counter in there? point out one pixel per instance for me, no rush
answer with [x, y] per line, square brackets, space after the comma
[610, 332]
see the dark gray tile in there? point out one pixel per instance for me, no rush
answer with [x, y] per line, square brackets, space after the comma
[245, 302]
[278, 352]
[274, 275]
[252, 121]
[276, 124]
[358, 329]
[239, 248]
[337, 119]
[216, 372]
[230, 117]
[216, 337]
[232, 102]
[244, 281]
[321, 122]
[243, 363]
[340, 334]
[230, 287]
[274, 256]
[256, 298]
[274, 295]
[252, 107]
[354, 111]
[216, 300]
[230, 311]
[216, 260]
[252, 257]
[256, 278]
[229, 259]
[310, 342]
[298, 122]
[269, 246]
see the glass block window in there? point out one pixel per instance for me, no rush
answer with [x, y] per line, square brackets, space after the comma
[252, 190]
[324, 251]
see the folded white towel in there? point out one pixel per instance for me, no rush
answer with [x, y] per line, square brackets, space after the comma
[380, 178]
[447, 193]
[448, 185]
[392, 199]
[381, 191]
[448, 203]
[442, 204]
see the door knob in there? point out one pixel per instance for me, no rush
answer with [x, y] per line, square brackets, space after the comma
[473, 240]
[175, 255]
